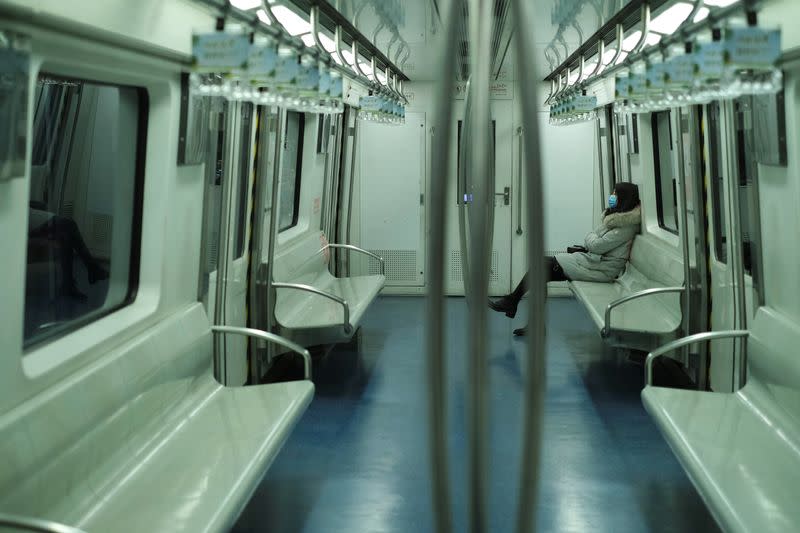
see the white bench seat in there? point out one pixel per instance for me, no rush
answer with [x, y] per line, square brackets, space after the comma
[147, 440]
[637, 315]
[313, 318]
[742, 450]
[645, 320]
[302, 310]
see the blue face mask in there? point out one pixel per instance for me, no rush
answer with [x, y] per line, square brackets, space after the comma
[612, 201]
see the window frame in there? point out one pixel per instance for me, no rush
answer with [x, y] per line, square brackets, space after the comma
[135, 256]
[247, 112]
[657, 172]
[301, 133]
[716, 177]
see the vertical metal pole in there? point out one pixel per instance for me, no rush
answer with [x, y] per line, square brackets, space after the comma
[735, 237]
[520, 176]
[350, 192]
[462, 182]
[256, 283]
[536, 368]
[226, 213]
[479, 164]
[600, 162]
[437, 225]
[677, 127]
[698, 291]
[280, 122]
[617, 146]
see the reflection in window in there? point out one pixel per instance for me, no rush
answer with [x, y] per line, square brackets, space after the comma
[717, 185]
[291, 169]
[748, 173]
[245, 164]
[666, 183]
[85, 204]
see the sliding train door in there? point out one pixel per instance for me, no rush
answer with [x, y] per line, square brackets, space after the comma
[226, 250]
[460, 192]
[392, 210]
[744, 136]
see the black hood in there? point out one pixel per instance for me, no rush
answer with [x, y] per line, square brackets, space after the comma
[627, 197]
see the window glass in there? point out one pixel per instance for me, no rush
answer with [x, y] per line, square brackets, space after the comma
[84, 216]
[666, 183]
[245, 165]
[748, 178]
[291, 169]
[717, 185]
[215, 173]
[464, 190]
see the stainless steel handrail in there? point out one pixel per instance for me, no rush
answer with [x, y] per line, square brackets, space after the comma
[620, 37]
[269, 337]
[645, 30]
[436, 355]
[38, 525]
[686, 341]
[359, 250]
[348, 328]
[536, 356]
[634, 296]
[337, 41]
[314, 20]
[479, 165]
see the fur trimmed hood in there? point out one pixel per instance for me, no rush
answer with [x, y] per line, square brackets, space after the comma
[627, 218]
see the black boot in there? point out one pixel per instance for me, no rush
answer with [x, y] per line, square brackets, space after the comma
[505, 304]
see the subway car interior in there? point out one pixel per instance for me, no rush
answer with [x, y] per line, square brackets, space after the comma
[399, 265]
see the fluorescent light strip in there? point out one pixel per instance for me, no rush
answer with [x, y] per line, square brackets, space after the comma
[263, 17]
[671, 19]
[246, 4]
[291, 21]
[719, 3]
[702, 14]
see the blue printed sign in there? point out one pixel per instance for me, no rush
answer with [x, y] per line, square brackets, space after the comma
[710, 58]
[262, 60]
[752, 47]
[220, 51]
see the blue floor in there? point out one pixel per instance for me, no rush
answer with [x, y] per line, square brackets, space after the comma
[358, 460]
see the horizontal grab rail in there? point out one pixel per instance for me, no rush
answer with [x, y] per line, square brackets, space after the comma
[348, 328]
[362, 251]
[270, 337]
[37, 525]
[686, 341]
[641, 294]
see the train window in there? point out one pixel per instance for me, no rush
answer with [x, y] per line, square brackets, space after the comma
[748, 177]
[463, 190]
[291, 170]
[85, 211]
[717, 186]
[666, 183]
[245, 165]
[215, 172]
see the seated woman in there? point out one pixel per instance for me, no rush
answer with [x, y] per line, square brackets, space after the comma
[607, 248]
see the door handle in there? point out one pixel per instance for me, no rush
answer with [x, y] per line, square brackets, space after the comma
[506, 194]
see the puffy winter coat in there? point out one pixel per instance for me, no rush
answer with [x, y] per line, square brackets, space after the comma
[608, 249]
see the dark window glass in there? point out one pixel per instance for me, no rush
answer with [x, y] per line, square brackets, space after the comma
[245, 165]
[665, 179]
[85, 210]
[464, 191]
[717, 185]
[748, 178]
[291, 170]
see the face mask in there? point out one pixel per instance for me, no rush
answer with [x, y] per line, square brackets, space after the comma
[612, 201]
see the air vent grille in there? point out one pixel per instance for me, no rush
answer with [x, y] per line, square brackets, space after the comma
[401, 266]
[457, 273]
